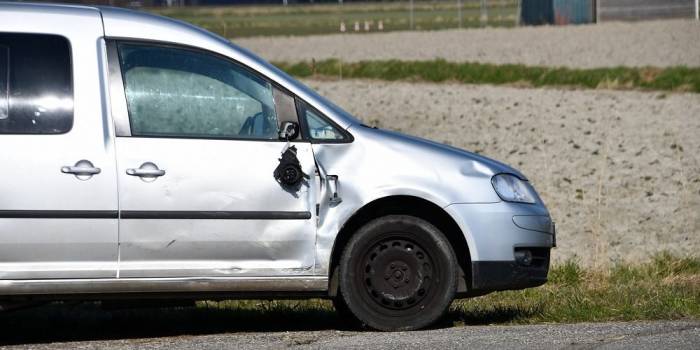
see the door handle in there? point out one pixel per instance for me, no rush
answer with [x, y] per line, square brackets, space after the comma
[147, 171]
[83, 169]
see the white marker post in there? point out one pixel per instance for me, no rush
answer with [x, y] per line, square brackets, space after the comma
[697, 10]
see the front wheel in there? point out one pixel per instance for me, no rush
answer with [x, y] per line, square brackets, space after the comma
[398, 273]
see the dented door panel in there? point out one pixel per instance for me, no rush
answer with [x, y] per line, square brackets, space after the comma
[217, 211]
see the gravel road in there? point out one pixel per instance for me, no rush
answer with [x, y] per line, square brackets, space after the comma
[652, 43]
[619, 170]
[637, 335]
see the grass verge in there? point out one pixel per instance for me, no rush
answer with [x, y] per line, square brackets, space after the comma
[665, 288]
[308, 19]
[648, 78]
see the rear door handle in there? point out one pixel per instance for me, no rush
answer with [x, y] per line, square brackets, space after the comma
[83, 169]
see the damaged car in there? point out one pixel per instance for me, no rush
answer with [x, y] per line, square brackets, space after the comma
[145, 158]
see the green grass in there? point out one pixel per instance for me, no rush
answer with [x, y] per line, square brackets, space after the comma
[665, 288]
[648, 78]
[246, 21]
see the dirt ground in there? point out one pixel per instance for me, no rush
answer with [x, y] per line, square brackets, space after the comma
[620, 171]
[653, 43]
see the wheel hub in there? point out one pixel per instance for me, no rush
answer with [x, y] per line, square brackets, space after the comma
[397, 274]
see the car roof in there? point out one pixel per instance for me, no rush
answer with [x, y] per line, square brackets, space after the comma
[47, 8]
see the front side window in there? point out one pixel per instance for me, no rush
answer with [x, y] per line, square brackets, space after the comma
[174, 92]
[319, 128]
[36, 84]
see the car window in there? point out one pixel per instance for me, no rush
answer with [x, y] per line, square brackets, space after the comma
[319, 128]
[176, 92]
[36, 84]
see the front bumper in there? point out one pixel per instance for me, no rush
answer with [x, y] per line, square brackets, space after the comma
[498, 235]
[505, 275]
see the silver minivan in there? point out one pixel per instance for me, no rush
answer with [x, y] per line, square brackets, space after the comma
[143, 158]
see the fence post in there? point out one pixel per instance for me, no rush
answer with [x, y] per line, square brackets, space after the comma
[697, 10]
[484, 13]
[518, 13]
[410, 21]
[459, 12]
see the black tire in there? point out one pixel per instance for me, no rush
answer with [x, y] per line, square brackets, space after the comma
[344, 314]
[398, 273]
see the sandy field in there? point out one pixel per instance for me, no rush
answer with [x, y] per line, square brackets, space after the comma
[653, 43]
[619, 171]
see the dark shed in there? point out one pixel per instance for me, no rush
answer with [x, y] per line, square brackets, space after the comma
[536, 12]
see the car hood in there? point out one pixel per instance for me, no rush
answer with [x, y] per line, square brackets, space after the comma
[413, 143]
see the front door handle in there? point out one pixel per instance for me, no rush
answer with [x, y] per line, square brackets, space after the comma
[83, 169]
[147, 171]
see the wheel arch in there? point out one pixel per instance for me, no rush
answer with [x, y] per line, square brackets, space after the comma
[403, 205]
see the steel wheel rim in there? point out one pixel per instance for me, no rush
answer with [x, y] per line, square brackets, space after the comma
[397, 273]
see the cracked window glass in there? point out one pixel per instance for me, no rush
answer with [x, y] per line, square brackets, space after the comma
[174, 92]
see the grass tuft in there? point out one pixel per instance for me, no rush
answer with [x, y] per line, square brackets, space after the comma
[646, 78]
[569, 274]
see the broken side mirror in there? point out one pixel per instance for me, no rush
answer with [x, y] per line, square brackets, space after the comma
[288, 131]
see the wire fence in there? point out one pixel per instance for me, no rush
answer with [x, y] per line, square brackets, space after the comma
[355, 17]
[634, 10]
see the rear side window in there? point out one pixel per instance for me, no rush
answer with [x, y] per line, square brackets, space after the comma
[36, 88]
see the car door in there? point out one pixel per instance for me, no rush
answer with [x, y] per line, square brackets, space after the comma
[197, 190]
[58, 188]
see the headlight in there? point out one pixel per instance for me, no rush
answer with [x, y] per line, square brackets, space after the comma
[512, 189]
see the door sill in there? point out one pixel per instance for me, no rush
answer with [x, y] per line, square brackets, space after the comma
[164, 285]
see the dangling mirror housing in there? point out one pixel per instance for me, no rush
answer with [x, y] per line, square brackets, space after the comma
[288, 131]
